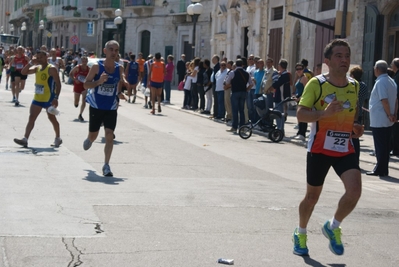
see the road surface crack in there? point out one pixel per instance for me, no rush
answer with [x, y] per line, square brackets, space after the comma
[73, 251]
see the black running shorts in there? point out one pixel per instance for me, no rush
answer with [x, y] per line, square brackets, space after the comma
[318, 165]
[99, 117]
[17, 74]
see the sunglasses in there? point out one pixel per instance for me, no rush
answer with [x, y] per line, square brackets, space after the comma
[299, 69]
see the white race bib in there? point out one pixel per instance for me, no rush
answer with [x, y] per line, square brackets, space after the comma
[39, 89]
[81, 78]
[106, 89]
[337, 141]
[20, 66]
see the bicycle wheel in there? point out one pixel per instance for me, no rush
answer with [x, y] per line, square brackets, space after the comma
[276, 135]
[245, 132]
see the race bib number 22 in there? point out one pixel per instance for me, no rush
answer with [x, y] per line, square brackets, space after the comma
[337, 141]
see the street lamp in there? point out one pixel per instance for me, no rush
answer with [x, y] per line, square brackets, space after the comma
[118, 21]
[12, 29]
[194, 10]
[41, 28]
[23, 29]
[2, 29]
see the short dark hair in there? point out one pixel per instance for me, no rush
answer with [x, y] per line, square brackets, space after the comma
[305, 62]
[239, 62]
[207, 62]
[328, 50]
[132, 57]
[283, 63]
[356, 72]
[158, 55]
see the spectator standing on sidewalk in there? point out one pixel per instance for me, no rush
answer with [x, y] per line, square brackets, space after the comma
[216, 68]
[47, 91]
[181, 68]
[240, 82]
[329, 105]
[300, 84]
[383, 107]
[220, 77]
[208, 86]
[356, 73]
[251, 93]
[227, 92]
[395, 130]
[170, 67]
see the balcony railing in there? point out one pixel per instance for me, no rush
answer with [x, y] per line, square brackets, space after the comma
[108, 4]
[139, 3]
[16, 14]
[55, 12]
[38, 3]
[80, 14]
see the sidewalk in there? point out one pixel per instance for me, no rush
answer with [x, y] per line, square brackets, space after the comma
[366, 141]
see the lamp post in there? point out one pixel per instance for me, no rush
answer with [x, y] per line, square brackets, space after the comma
[118, 21]
[2, 29]
[194, 10]
[12, 29]
[23, 29]
[41, 28]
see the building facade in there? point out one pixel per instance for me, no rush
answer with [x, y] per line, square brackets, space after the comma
[226, 27]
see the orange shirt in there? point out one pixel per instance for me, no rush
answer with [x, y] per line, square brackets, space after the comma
[141, 64]
[157, 71]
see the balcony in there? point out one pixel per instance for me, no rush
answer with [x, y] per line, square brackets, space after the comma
[17, 15]
[27, 10]
[105, 5]
[139, 3]
[55, 12]
[38, 3]
[81, 14]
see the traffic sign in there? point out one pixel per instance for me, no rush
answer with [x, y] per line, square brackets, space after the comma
[74, 39]
[49, 34]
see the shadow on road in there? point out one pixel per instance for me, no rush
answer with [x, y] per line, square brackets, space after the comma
[92, 176]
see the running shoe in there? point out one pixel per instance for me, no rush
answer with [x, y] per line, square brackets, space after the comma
[87, 144]
[145, 106]
[14, 99]
[300, 137]
[334, 236]
[134, 99]
[16, 103]
[128, 100]
[107, 170]
[149, 104]
[80, 118]
[299, 241]
[22, 142]
[57, 142]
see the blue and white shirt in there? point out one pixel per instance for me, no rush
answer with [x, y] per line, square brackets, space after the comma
[104, 96]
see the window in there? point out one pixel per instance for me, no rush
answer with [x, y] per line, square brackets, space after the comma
[327, 5]
[277, 13]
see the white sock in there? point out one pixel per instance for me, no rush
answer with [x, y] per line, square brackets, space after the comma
[334, 223]
[25, 139]
[302, 230]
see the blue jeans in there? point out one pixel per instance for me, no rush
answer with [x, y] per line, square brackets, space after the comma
[237, 106]
[221, 109]
[167, 90]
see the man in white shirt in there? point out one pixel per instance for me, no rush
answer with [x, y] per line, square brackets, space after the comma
[220, 77]
[383, 106]
[251, 93]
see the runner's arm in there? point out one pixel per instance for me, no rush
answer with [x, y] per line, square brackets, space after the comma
[90, 83]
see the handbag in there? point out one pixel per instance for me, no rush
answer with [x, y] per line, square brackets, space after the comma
[181, 86]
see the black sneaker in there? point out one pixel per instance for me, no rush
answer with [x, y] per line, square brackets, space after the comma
[80, 118]
[22, 142]
[149, 104]
[16, 103]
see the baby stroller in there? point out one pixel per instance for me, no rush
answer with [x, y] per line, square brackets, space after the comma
[267, 115]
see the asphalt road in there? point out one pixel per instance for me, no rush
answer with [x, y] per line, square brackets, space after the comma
[184, 193]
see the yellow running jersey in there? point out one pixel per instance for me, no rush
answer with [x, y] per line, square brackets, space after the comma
[44, 86]
[332, 135]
